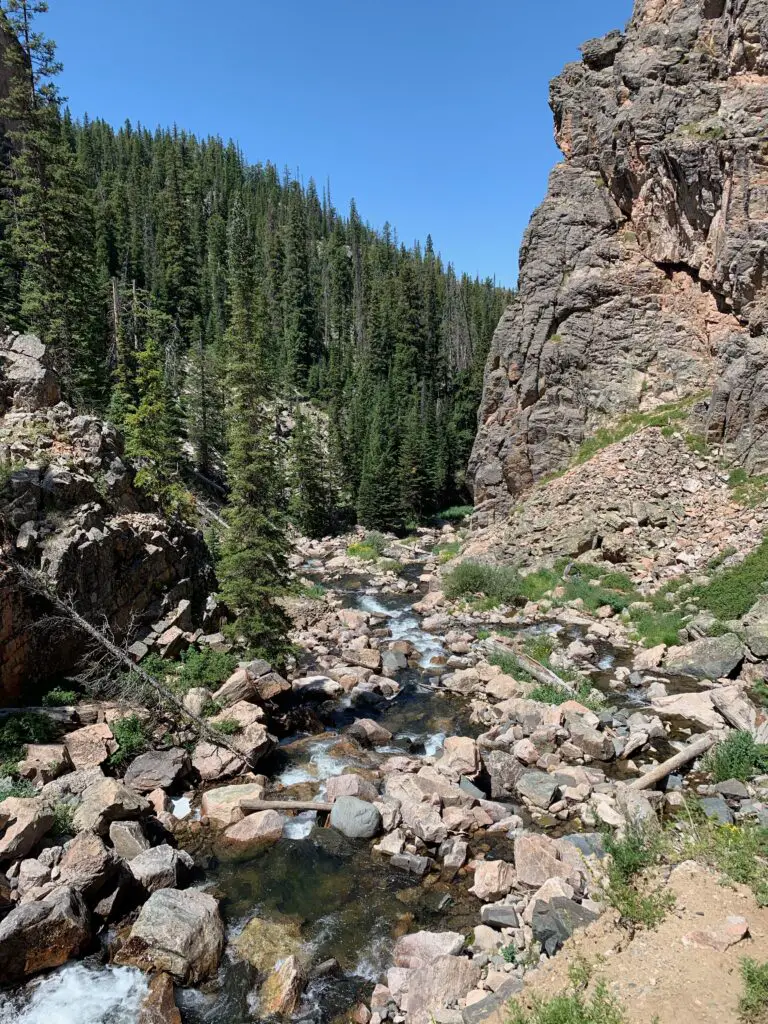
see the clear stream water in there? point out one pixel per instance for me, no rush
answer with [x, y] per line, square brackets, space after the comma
[349, 902]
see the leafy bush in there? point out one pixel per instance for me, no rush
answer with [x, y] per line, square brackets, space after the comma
[315, 593]
[131, 737]
[63, 816]
[509, 665]
[500, 584]
[205, 667]
[446, 550]
[748, 490]
[58, 697]
[16, 732]
[665, 416]
[753, 1005]
[540, 646]
[737, 757]
[15, 787]
[363, 551]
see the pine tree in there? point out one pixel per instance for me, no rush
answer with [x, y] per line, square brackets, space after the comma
[312, 491]
[48, 224]
[254, 564]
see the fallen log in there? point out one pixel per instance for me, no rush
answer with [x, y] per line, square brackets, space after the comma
[661, 771]
[285, 805]
[534, 668]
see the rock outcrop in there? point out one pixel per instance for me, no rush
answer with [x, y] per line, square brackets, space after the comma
[643, 273]
[69, 506]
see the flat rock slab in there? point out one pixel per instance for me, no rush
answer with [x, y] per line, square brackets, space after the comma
[724, 935]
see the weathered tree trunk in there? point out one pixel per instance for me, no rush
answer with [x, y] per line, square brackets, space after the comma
[661, 771]
[285, 805]
[534, 668]
[37, 584]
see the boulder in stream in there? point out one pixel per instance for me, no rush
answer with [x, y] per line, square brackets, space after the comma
[355, 818]
[180, 932]
[37, 936]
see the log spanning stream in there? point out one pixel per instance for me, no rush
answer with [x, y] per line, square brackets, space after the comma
[348, 901]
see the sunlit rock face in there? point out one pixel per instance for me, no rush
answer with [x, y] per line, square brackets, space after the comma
[643, 274]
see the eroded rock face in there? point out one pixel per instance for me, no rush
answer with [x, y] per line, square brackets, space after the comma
[71, 508]
[643, 273]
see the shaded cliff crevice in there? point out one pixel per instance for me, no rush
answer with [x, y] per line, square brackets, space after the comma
[643, 272]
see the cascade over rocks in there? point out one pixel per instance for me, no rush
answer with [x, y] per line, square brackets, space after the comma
[643, 272]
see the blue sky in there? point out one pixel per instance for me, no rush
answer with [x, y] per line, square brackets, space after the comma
[432, 114]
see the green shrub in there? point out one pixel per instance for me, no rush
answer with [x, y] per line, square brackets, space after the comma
[456, 513]
[58, 697]
[132, 739]
[753, 1005]
[748, 490]
[205, 667]
[482, 634]
[639, 848]
[737, 757]
[227, 726]
[547, 693]
[63, 817]
[363, 551]
[446, 550]
[510, 666]
[498, 583]
[570, 1008]
[665, 416]
[16, 732]
[540, 646]
[315, 593]
[15, 787]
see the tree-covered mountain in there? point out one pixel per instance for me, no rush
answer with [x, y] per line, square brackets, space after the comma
[124, 249]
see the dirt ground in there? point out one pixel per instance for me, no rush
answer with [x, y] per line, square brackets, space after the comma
[654, 974]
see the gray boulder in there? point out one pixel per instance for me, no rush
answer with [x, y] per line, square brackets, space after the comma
[355, 818]
[555, 921]
[37, 936]
[157, 769]
[161, 867]
[178, 932]
[538, 787]
[709, 658]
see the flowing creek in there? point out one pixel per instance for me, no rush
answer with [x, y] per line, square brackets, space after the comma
[349, 902]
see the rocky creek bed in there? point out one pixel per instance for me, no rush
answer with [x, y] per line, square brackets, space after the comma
[465, 826]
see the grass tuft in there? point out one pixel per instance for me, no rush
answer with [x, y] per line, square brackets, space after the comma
[636, 850]
[58, 697]
[571, 1008]
[753, 1005]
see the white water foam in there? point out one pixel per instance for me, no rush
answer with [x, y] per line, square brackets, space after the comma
[300, 826]
[432, 742]
[181, 808]
[320, 766]
[403, 625]
[78, 994]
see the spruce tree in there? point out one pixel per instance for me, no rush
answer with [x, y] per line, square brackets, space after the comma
[254, 562]
[48, 225]
[312, 496]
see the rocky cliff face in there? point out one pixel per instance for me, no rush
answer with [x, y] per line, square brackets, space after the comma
[644, 273]
[68, 505]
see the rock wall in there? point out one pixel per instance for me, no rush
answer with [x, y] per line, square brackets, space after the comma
[644, 273]
[68, 505]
